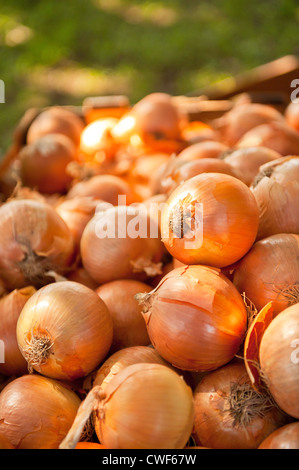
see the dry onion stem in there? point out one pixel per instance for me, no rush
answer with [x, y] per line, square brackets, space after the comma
[37, 349]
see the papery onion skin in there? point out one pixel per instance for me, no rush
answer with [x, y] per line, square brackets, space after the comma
[285, 437]
[129, 328]
[124, 358]
[11, 306]
[130, 256]
[89, 445]
[210, 219]
[270, 272]
[74, 328]
[43, 164]
[229, 414]
[36, 412]
[34, 241]
[147, 406]
[196, 318]
[278, 356]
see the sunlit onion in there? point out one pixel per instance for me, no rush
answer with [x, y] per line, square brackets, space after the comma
[210, 219]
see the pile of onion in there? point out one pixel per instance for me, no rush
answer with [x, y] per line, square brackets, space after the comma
[37, 412]
[145, 406]
[230, 414]
[270, 272]
[64, 330]
[210, 219]
[35, 243]
[196, 318]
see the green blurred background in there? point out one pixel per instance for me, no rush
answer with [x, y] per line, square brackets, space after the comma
[59, 52]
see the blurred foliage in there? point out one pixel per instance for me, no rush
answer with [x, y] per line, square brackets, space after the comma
[61, 52]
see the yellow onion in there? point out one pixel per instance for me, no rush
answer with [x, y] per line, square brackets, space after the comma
[80, 275]
[205, 149]
[56, 119]
[44, 163]
[246, 162]
[210, 219]
[64, 331]
[276, 191]
[269, 272]
[129, 328]
[285, 437]
[36, 412]
[125, 357]
[76, 213]
[276, 135]
[106, 187]
[120, 240]
[196, 318]
[230, 414]
[11, 306]
[34, 243]
[278, 357]
[292, 115]
[243, 117]
[145, 406]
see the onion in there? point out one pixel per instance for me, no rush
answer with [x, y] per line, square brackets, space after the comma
[96, 141]
[246, 162]
[206, 149]
[44, 163]
[34, 243]
[196, 318]
[80, 275]
[292, 115]
[270, 272]
[36, 412]
[11, 306]
[153, 123]
[243, 117]
[64, 331]
[210, 219]
[230, 414]
[276, 191]
[277, 136]
[129, 328]
[107, 188]
[123, 358]
[187, 170]
[76, 213]
[59, 120]
[89, 445]
[120, 239]
[197, 131]
[278, 357]
[4, 443]
[145, 406]
[285, 437]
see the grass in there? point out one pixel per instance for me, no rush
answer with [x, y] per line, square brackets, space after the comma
[61, 52]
